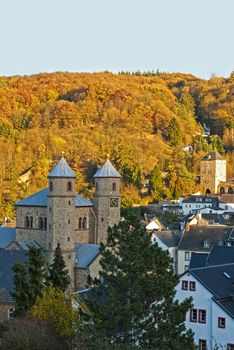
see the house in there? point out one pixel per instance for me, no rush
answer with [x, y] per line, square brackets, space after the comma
[211, 317]
[193, 204]
[168, 240]
[200, 239]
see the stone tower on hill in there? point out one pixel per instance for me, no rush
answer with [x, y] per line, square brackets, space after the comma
[106, 199]
[213, 172]
[61, 214]
[57, 214]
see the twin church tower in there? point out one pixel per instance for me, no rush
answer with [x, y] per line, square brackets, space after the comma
[58, 215]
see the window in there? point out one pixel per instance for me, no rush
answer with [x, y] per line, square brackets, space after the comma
[114, 186]
[31, 222]
[11, 312]
[26, 222]
[186, 267]
[202, 344]
[51, 186]
[192, 286]
[96, 186]
[202, 316]
[69, 221]
[230, 346]
[68, 239]
[221, 322]
[186, 256]
[185, 285]
[193, 315]
[41, 223]
[84, 223]
[45, 223]
[80, 223]
[69, 186]
[69, 202]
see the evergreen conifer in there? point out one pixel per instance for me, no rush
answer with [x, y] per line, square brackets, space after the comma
[133, 300]
[58, 274]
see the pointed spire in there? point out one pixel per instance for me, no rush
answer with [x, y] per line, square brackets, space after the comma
[107, 170]
[62, 169]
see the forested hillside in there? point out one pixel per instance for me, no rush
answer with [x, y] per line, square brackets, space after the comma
[143, 121]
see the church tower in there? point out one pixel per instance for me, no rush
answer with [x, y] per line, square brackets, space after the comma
[106, 199]
[213, 172]
[61, 214]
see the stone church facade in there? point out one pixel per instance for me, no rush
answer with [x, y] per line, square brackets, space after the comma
[57, 215]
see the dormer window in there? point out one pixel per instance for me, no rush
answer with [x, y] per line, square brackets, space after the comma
[51, 186]
[69, 186]
[206, 244]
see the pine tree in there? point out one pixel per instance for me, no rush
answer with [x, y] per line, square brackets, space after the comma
[133, 300]
[174, 133]
[21, 291]
[155, 183]
[36, 273]
[29, 280]
[58, 274]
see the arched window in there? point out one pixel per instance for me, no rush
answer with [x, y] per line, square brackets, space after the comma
[45, 223]
[222, 190]
[230, 190]
[41, 223]
[80, 223]
[26, 222]
[31, 222]
[84, 223]
[51, 186]
[208, 191]
[69, 186]
[114, 186]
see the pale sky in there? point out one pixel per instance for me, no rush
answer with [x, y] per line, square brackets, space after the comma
[192, 36]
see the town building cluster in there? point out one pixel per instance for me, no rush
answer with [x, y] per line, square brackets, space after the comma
[202, 246]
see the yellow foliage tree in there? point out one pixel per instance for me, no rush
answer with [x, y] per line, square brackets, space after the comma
[63, 310]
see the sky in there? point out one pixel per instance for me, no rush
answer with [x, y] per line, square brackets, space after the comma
[190, 36]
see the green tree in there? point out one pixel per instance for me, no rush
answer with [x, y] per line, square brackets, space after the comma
[21, 290]
[174, 134]
[216, 143]
[58, 274]
[155, 185]
[138, 283]
[29, 280]
[36, 273]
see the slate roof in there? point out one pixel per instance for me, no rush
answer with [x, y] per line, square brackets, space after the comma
[86, 254]
[7, 235]
[194, 238]
[7, 260]
[214, 155]
[62, 169]
[107, 170]
[202, 200]
[217, 279]
[169, 238]
[216, 218]
[40, 199]
[220, 255]
[198, 260]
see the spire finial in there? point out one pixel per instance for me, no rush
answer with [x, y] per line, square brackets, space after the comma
[62, 154]
[107, 156]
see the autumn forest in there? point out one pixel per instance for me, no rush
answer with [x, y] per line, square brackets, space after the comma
[151, 124]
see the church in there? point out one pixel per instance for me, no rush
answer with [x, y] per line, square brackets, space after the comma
[58, 215]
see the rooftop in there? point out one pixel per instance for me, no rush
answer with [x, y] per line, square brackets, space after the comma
[62, 169]
[86, 254]
[40, 199]
[107, 170]
[214, 155]
[194, 238]
[7, 235]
